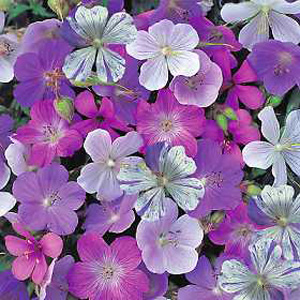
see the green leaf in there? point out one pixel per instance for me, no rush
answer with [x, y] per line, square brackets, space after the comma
[5, 262]
[17, 10]
[294, 101]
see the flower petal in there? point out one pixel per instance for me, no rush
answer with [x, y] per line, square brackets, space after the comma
[233, 12]
[52, 245]
[22, 267]
[279, 170]
[7, 202]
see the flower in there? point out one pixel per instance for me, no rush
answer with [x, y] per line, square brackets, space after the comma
[11, 288]
[40, 73]
[9, 48]
[205, 283]
[48, 200]
[278, 150]
[103, 116]
[54, 284]
[168, 121]
[264, 14]
[101, 175]
[112, 216]
[220, 175]
[30, 261]
[266, 277]
[169, 174]
[201, 89]
[278, 212]
[97, 33]
[165, 47]
[168, 244]
[249, 95]
[107, 272]
[48, 135]
[236, 232]
[277, 65]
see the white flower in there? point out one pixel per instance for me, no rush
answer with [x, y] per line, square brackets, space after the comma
[92, 26]
[265, 279]
[264, 14]
[278, 150]
[166, 47]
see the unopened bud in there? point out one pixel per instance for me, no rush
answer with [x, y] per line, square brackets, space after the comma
[230, 113]
[64, 108]
[253, 190]
[222, 122]
[274, 101]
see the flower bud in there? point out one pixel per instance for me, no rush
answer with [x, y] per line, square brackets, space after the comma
[64, 108]
[222, 122]
[60, 7]
[253, 190]
[230, 113]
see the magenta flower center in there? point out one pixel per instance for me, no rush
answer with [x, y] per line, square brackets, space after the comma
[244, 230]
[34, 248]
[214, 178]
[53, 77]
[285, 61]
[51, 134]
[183, 13]
[166, 125]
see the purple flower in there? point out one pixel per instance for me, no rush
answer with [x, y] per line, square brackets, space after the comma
[168, 121]
[103, 116]
[112, 216]
[31, 261]
[100, 176]
[236, 232]
[11, 288]
[113, 6]
[165, 47]
[168, 245]
[48, 200]
[277, 64]
[220, 175]
[107, 272]
[40, 73]
[55, 285]
[201, 89]
[48, 135]
[205, 284]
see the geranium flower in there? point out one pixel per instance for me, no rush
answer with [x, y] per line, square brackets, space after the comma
[276, 65]
[31, 261]
[165, 47]
[107, 272]
[169, 174]
[277, 211]
[48, 135]
[201, 89]
[264, 14]
[168, 244]
[266, 277]
[96, 33]
[278, 150]
[168, 121]
[100, 176]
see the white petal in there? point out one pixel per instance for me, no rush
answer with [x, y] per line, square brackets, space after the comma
[184, 63]
[292, 158]
[279, 170]
[256, 31]
[291, 133]
[162, 32]
[7, 71]
[4, 174]
[98, 145]
[270, 125]
[144, 47]
[78, 64]
[120, 29]
[233, 12]
[284, 28]
[285, 7]
[7, 202]
[258, 154]
[154, 73]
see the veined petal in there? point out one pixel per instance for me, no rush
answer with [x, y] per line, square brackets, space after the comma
[292, 158]
[184, 63]
[291, 133]
[78, 64]
[285, 7]
[284, 28]
[259, 154]
[154, 73]
[4, 174]
[279, 170]
[162, 32]
[234, 12]
[120, 29]
[7, 202]
[269, 124]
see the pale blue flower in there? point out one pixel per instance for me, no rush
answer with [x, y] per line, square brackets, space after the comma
[266, 277]
[168, 176]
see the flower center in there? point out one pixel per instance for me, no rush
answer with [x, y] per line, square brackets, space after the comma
[50, 200]
[108, 273]
[110, 163]
[97, 43]
[285, 60]
[265, 9]
[244, 231]
[214, 178]
[169, 238]
[194, 81]
[51, 135]
[5, 48]
[282, 222]
[166, 125]
[53, 77]
[162, 180]
[262, 281]
[183, 13]
[167, 51]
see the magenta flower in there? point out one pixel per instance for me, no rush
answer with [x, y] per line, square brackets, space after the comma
[251, 96]
[48, 200]
[168, 121]
[220, 175]
[48, 134]
[236, 232]
[103, 116]
[201, 89]
[31, 261]
[107, 272]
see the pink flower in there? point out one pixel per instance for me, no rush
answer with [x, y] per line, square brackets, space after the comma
[169, 121]
[30, 261]
[107, 272]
